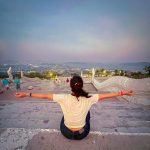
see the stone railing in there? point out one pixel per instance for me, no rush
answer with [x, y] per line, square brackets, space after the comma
[141, 88]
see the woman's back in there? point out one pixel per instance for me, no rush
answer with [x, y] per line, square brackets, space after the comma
[75, 110]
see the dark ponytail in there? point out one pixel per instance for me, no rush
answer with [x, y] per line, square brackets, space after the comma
[76, 84]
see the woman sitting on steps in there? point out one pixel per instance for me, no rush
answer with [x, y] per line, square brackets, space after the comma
[75, 123]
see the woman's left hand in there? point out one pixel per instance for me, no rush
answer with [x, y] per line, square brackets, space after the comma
[129, 93]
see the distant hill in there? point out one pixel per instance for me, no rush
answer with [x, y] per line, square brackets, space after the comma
[135, 66]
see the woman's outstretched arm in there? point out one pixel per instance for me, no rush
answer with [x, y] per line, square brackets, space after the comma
[34, 95]
[111, 95]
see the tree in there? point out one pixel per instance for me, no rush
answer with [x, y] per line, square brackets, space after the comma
[101, 71]
[97, 72]
[147, 69]
[122, 72]
[116, 72]
[89, 73]
[136, 75]
[34, 74]
[50, 75]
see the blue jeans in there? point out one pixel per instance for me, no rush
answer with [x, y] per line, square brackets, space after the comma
[76, 135]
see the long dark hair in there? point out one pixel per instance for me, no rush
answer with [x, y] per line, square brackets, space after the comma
[76, 84]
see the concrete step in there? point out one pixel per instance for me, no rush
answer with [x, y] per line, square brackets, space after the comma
[49, 139]
[106, 116]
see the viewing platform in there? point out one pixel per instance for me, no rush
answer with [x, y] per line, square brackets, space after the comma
[32, 124]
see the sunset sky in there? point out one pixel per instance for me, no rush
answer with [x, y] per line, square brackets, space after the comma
[75, 30]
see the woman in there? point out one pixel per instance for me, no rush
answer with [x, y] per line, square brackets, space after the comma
[75, 123]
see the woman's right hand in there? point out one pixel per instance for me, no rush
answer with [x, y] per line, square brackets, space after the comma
[21, 94]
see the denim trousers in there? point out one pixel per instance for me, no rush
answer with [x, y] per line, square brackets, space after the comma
[76, 135]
